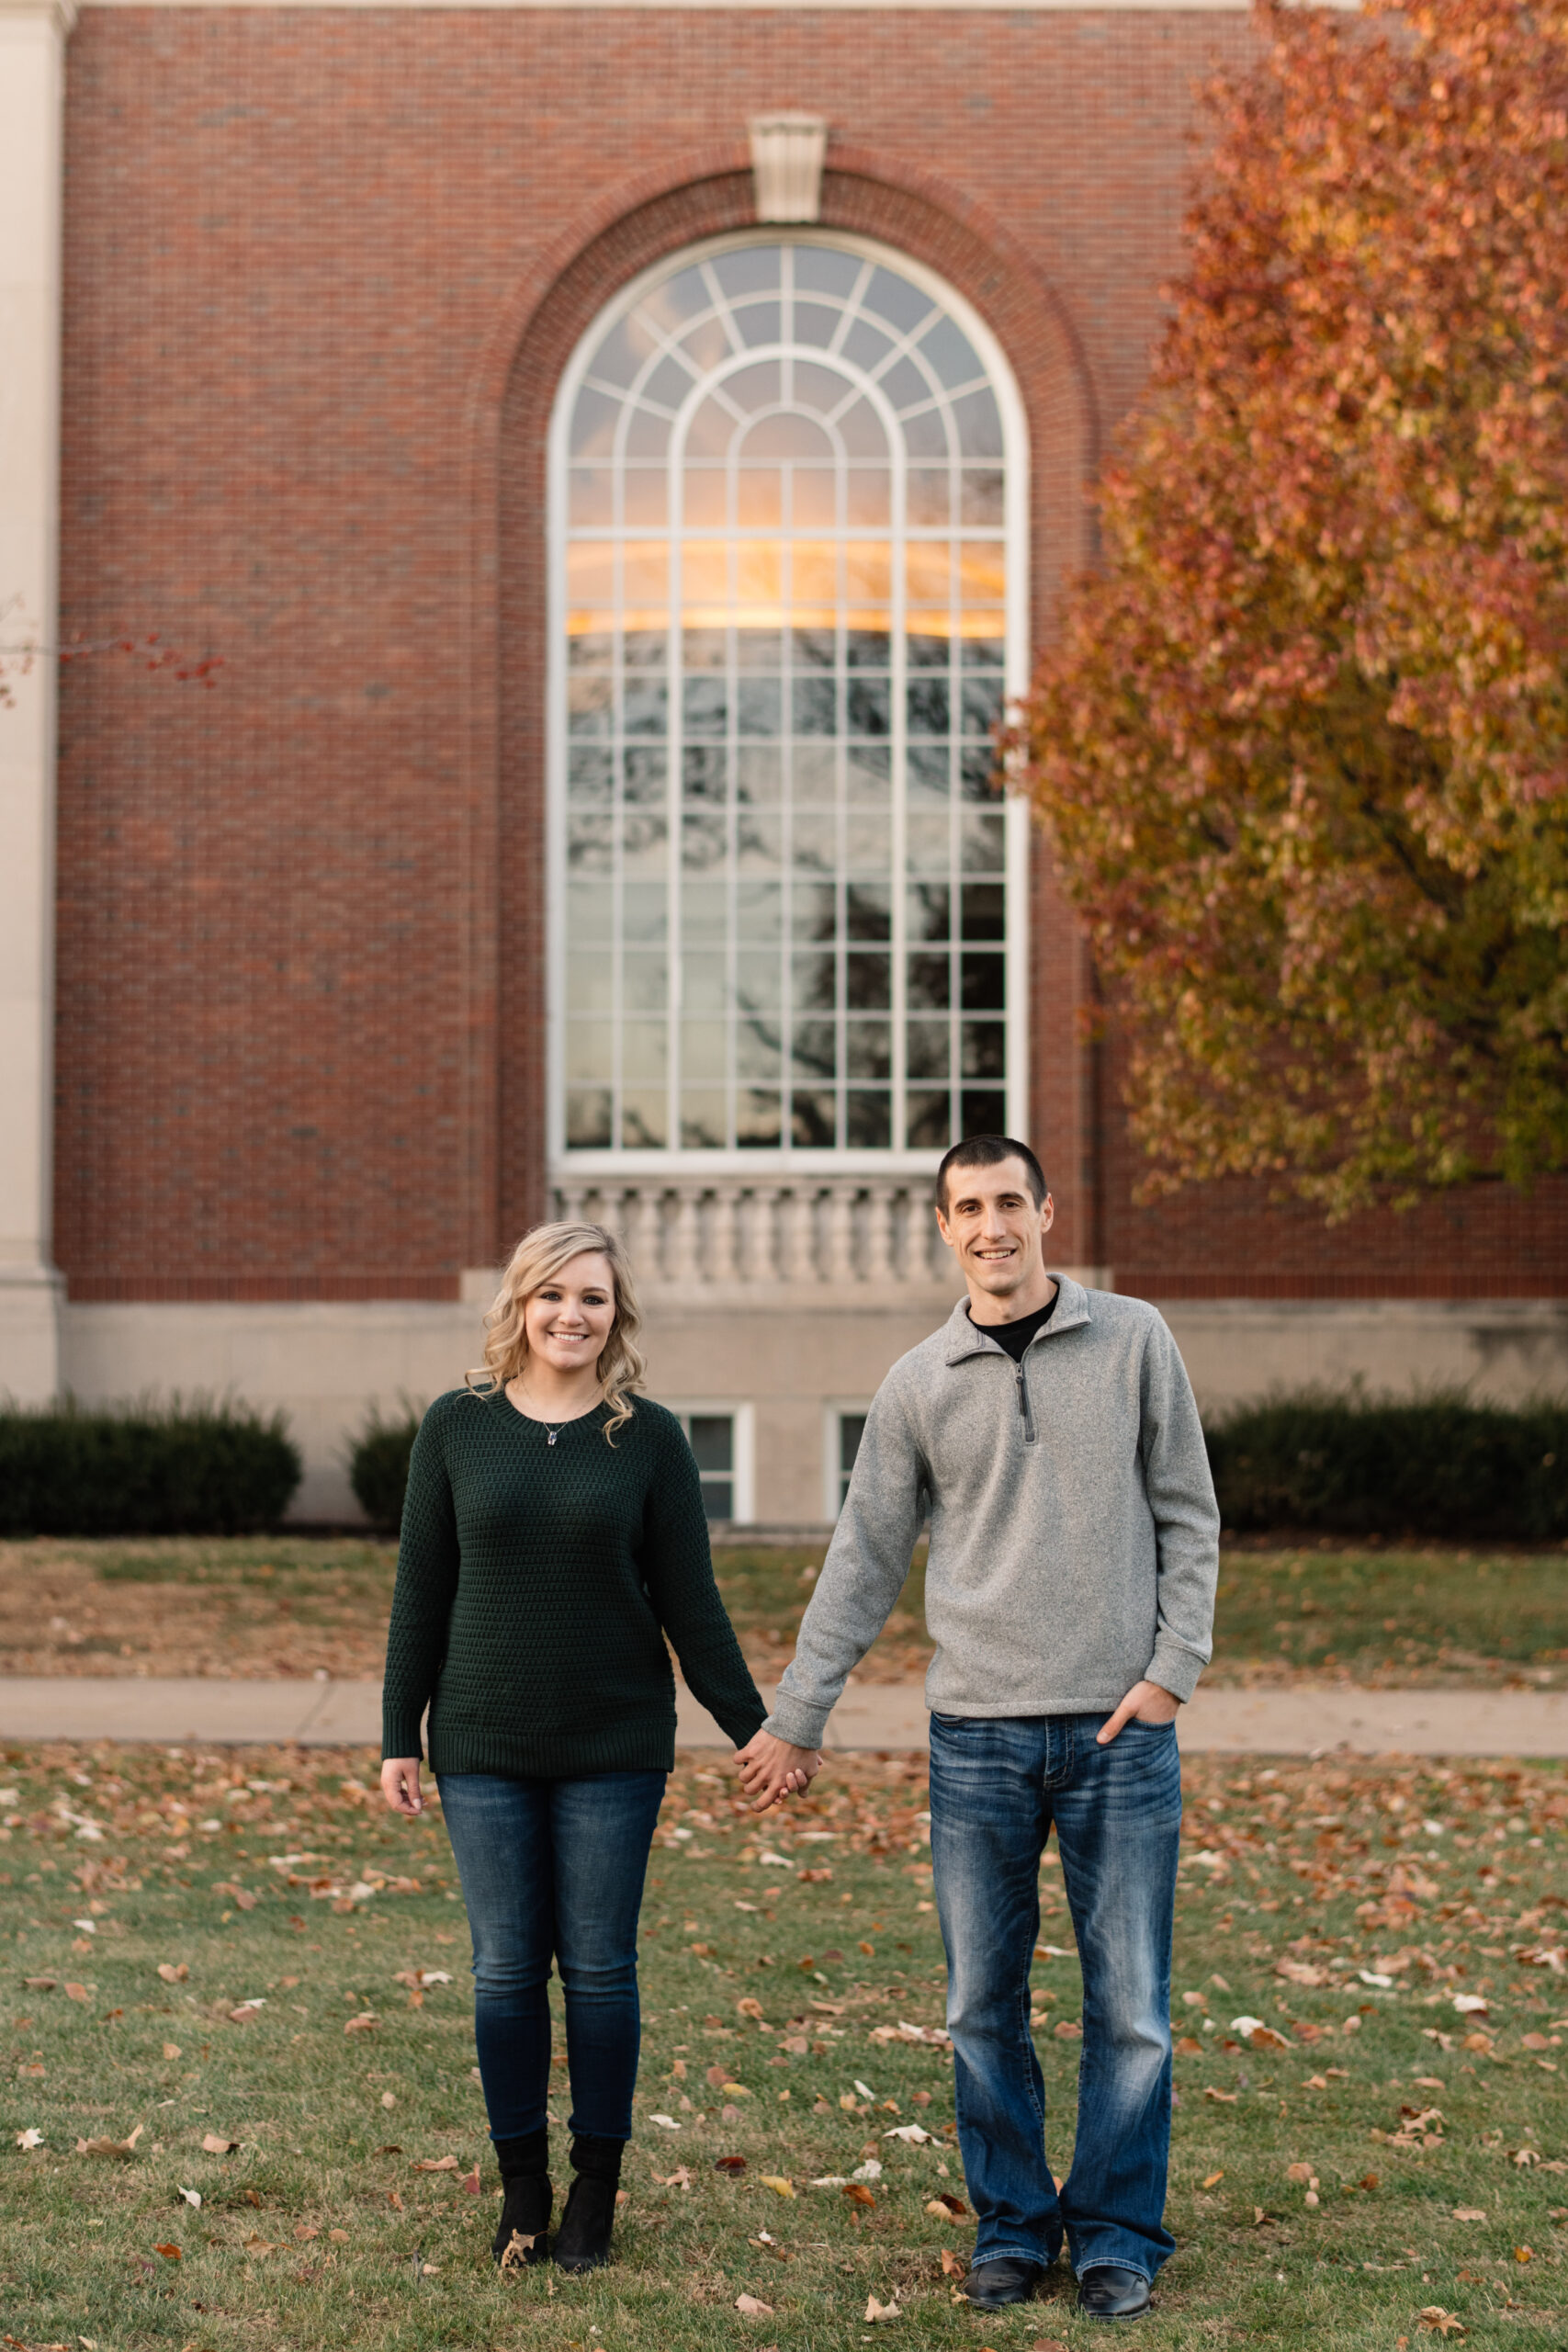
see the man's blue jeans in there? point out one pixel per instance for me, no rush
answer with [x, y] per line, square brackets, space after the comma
[997, 1784]
[554, 1867]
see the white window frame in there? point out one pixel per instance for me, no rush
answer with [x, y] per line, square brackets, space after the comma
[742, 1417]
[833, 1408]
[677, 1161]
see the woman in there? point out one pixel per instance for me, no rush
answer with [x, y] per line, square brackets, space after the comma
[553, 1532]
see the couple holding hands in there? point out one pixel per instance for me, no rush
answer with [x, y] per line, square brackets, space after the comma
[554, 1534]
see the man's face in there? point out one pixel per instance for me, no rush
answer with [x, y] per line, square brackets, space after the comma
[992, 1226]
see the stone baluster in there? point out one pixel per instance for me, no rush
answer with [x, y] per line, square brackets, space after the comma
[840, 1252]
[761, 1260]
[798, 1240]
[638, 1229]
[611, 1207]
[686, 1236]
[934, 1260]
[727, 1212]
[571, 1202]
[881, 1207]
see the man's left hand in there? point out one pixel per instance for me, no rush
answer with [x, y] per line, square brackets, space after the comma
[1150, 1701]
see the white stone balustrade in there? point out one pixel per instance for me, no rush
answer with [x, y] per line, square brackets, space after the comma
[694, 1234]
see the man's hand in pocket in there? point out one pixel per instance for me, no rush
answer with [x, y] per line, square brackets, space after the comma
[1150, 1701]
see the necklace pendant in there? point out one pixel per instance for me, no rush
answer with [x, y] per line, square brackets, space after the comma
[551, 1435]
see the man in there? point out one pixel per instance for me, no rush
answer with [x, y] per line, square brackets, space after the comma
[1050, 1433]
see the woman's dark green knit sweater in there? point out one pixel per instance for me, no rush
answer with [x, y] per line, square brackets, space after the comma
[533, 1582]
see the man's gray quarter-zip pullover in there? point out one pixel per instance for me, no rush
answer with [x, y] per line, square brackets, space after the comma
[1073, 1530]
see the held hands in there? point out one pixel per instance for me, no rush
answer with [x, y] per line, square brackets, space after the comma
[771, 1769]
[1149, 1702]
[400, 1784]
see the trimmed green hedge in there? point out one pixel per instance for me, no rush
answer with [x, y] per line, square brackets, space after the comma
[140, 1470]
[1433, 1466]
[379, 1468]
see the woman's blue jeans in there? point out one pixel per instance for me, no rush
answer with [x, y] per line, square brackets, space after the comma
[554, 1869]
[998, 1784]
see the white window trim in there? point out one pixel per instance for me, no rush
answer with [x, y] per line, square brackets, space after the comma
[743, 1448]
[772, 1163]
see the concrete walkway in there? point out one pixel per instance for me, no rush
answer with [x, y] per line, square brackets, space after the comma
[1310, 1720]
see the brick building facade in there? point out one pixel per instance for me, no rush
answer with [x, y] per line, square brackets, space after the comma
[288, 1045]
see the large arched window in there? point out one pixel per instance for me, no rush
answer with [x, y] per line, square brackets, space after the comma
[787, 484]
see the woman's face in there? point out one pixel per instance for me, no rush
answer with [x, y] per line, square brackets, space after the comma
[568, 1319]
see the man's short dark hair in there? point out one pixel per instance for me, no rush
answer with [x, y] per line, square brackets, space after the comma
[989, 1151]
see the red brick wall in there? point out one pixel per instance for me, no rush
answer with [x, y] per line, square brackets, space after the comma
[321, 273]
[1232, 1241]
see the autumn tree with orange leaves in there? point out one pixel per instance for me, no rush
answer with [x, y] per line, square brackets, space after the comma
[1302, 744]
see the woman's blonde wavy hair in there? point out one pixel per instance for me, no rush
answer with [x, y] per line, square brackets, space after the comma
[538, 1259]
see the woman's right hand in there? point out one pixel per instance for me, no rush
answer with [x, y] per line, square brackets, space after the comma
[400, 1784]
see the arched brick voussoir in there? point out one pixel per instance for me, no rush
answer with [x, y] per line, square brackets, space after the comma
[506, 424]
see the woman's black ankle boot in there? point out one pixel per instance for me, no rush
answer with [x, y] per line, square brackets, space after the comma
[583, 2242]
[526, 2199]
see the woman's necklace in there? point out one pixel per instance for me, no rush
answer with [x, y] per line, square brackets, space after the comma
[551, 1433]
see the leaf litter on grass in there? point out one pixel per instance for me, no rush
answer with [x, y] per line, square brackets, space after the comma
[1412, 1873]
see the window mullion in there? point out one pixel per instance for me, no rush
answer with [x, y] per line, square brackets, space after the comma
[676, 742]
[899, 674]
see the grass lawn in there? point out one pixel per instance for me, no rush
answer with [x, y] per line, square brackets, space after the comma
[151, 1895]
[287, 1604]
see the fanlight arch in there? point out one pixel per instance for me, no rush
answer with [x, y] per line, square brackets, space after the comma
[788, 598]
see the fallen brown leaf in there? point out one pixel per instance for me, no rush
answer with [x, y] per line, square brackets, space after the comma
[217, 2146]
[752, 2308]
[874, 2311]
[103, 2145]
[1213, 2179]
[434, 2163]
[169, 2253]
[75, 1991]
[172, 1973]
